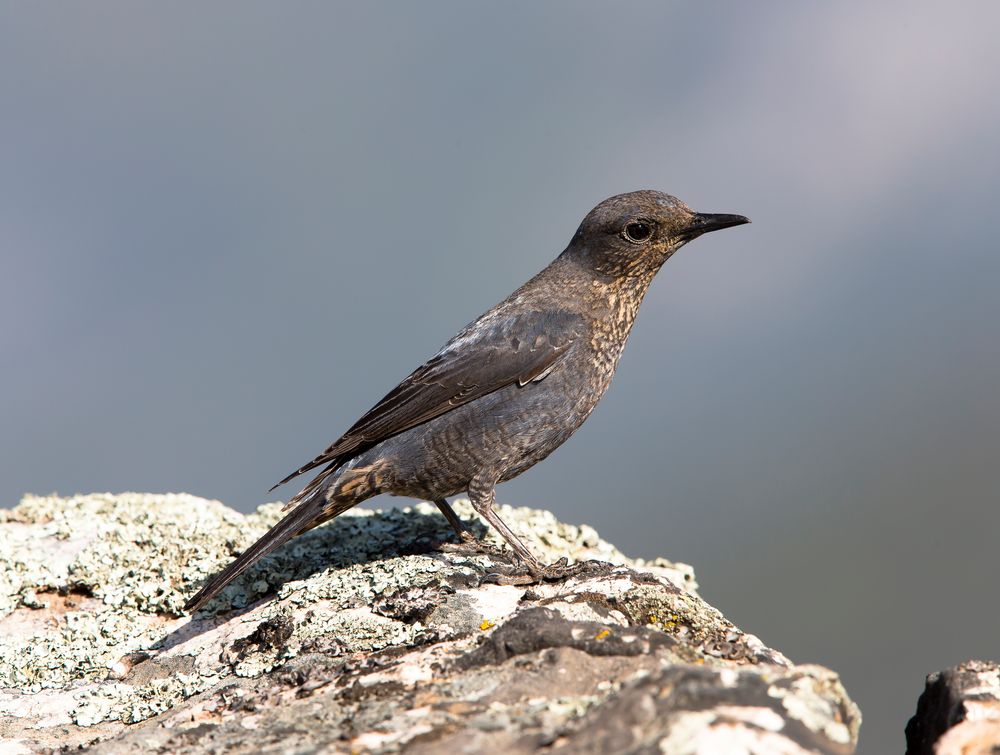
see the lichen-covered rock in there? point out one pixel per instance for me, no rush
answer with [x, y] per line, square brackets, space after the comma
[373, 639]
[958, 712]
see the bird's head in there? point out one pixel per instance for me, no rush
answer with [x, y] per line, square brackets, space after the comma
[632, 235]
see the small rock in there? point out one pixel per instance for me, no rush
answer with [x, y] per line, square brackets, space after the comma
[958, 712]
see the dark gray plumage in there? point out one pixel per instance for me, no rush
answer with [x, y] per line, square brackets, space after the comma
[506, 391]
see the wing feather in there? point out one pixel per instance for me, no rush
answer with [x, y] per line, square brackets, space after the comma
[488, 355]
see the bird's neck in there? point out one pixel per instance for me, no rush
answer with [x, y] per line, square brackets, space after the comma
[597, 296]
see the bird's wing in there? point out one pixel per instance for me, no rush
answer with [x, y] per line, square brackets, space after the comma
[488, 355]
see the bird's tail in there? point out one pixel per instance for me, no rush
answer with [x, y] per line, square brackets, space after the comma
[317, 503]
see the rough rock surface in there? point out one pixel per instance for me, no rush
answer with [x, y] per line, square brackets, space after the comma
[371, 639]
[958, 713]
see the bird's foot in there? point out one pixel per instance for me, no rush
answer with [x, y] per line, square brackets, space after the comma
[468, 538]
[471, 546]
[468, 544]
[518, 571]
[538, 573]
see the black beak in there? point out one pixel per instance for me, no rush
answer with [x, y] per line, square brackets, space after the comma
[706, 222]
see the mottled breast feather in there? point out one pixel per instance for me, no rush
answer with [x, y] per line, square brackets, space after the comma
[487, 356]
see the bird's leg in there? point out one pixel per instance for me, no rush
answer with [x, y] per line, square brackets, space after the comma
[463, 532]
[482, 494]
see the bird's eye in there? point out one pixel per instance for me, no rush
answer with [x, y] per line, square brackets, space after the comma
[638, 232]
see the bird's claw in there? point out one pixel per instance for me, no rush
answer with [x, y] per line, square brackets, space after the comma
[468, 538]
[471, 547]
[538, 573]
[561, 569]
[521, 572]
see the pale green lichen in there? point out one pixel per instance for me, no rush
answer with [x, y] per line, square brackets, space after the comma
[129, 704]
[86, 582]
[125, 563]
[88, 579]
[814, 698]
[131, 550]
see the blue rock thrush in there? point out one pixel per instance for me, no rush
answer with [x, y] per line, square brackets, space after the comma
[506, 391]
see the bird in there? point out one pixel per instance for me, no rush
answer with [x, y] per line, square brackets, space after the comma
[506, 391]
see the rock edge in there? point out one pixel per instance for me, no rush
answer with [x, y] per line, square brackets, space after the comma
[373, 640]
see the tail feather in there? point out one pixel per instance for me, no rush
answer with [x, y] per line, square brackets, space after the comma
[309, 490]
[305, 517]
[323, 458]
[320, 500]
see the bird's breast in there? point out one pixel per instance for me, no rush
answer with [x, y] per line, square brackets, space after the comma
[609, 333]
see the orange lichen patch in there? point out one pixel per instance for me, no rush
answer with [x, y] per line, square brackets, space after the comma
[45, 612]
[604, 633]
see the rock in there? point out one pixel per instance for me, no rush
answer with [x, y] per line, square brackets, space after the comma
[363, 636]
[958, 712]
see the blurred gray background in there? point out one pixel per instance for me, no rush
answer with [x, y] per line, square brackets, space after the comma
[226, 230]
